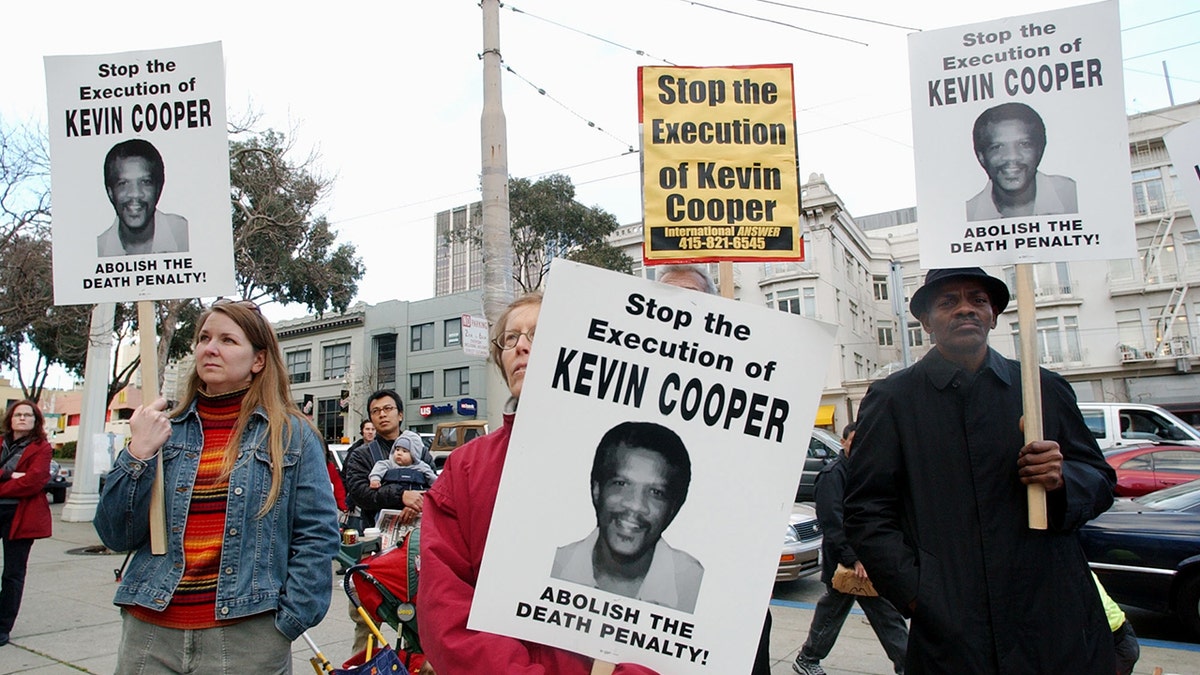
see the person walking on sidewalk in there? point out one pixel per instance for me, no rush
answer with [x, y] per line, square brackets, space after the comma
[833, 607]
[24, 513]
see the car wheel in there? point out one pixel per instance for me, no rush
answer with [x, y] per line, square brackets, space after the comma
[1189, 604]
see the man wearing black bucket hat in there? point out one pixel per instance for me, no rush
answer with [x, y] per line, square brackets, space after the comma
[935, 500]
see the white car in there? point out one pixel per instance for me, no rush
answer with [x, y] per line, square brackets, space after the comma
[801, 554]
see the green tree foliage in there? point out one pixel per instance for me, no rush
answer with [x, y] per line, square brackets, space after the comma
[548, 223]
[283, 250]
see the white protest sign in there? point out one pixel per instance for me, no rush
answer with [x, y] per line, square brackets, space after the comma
[1183, 144]
[1021, 141]
[657, 373]
[140, 172]
[474, 335]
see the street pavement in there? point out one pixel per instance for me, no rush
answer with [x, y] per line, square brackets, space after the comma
[69, 625]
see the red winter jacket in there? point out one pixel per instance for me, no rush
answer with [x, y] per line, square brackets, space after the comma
[454, 527]
[32, 520]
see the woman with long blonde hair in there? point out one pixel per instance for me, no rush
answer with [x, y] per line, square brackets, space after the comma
[251, 519]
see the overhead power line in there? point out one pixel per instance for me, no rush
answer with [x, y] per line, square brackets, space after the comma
[780, 23]
[841, 16]
[1160, 51]
[564, 106]
[1151, 23]
[639, 52]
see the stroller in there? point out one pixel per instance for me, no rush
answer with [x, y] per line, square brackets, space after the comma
[386, 586]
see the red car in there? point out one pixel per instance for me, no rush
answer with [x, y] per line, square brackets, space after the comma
[1148, 468]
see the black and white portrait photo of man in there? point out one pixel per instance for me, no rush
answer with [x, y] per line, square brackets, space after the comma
[639, 481]
[1010, 140]
[134, 179]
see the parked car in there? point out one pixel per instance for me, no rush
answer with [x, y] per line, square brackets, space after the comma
[1148, 468]
[801, 554]
[1146, 551]
[823, 448]
[59, 481]
[1117, 425]
[449, 435]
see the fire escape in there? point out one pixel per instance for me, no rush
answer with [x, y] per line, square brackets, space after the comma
[1169, 345]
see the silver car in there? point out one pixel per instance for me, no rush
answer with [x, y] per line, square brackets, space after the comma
[801, 554]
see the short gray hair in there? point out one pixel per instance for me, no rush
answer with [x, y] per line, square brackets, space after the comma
[700, 272]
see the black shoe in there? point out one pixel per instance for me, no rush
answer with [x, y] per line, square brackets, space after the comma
[3, 639]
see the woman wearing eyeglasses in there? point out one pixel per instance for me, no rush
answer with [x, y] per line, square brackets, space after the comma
[251, 520]
[457, 514]
[24, 512]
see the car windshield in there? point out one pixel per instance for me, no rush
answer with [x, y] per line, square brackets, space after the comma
[1176, 498]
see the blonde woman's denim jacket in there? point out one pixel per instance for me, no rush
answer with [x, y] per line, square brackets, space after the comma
[280, 562]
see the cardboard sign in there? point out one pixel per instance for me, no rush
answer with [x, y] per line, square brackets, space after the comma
[140, 172]
[1021, 141]
[719, 169]
[680, 400]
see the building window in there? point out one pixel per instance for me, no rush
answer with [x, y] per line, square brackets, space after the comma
[422, 337]
[785, 301]
[453, 331]
[457, 382]
[337, 360]
[854, 318]
[916, 334]
[885, 333]
[1149, 193]
[330, 420]
[385, 360]
[299, 366]
[859, 373]
[881, 287]
[1058, 339]
[808, 304]
[420, 385]
[1049, 280]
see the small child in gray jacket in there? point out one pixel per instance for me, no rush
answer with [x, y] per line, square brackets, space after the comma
[402, 468]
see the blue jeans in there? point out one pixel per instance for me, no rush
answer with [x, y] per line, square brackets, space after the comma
[250, 646]
[831, 612]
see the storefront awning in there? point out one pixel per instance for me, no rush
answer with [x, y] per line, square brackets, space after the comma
[824, 416]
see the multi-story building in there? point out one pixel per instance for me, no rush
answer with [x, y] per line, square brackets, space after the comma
[335, 361]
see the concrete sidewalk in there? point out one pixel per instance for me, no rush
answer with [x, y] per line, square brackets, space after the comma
[69, 625]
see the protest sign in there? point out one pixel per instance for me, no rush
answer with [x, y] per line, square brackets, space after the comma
[1020, 140]
[719, 169]
[650, 378]
[140, 173]
[1183, 144]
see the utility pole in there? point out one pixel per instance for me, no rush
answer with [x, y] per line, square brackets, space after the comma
[85, 495]
[900, 312]
[497, 239]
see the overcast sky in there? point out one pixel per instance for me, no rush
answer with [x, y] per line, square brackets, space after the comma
[390, 92]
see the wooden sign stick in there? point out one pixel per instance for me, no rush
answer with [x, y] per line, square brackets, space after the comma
[603, 668]
[149, 354]
[1031, 385]
[725, 272]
